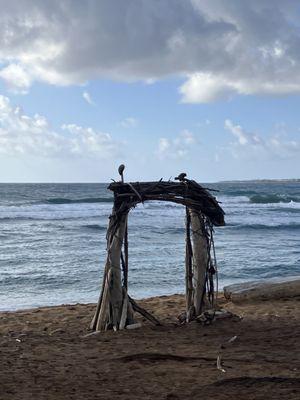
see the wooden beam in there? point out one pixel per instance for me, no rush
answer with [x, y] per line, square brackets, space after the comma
[188, 269]
[200, 259]
[143, 312]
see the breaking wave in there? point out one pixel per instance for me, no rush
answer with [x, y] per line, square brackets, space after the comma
[272, 198]
[291, 226]
[59, 200]
[95, 227]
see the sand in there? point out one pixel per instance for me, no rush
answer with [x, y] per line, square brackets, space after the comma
[44, 354]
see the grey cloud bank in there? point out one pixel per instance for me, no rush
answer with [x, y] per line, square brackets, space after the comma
[221, 48]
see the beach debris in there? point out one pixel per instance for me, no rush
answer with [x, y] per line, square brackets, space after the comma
[134, 326]
[206, 318]
[264, 289]
[222, 347]
[143, 312]
[232, 339]
[219, 364]
[229, 341]
[90, 334]
[59, 330]
[209, 316]
[182, 318]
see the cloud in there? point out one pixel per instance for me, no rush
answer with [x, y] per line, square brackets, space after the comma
[220, 48]
[205, 88]
[252, 145]
[16, 78]
[176, 148]
[243, 137]
[21, 135]
[129, 122]
[88, 99]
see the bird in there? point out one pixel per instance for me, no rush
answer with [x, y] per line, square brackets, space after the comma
[181, 177]
[121, 170]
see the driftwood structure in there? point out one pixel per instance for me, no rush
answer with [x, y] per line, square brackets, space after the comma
[115, 308]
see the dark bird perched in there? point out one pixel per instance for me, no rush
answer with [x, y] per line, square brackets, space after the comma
[181, 177]
[121, 170]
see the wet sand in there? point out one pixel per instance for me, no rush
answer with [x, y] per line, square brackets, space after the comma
[44, 354]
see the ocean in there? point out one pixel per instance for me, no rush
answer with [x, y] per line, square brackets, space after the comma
[53, 245]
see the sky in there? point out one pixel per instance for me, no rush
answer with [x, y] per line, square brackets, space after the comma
[206, 87]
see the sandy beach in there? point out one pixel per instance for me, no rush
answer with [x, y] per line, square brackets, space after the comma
[46, 355]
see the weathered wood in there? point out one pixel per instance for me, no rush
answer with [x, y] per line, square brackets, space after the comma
[110, 308]
[266, 289]
[188, 270]
[200, 259]
[143, 312]
[126, 255]
[188, 193]
[103, 316]
[115, 308]
[124, 311]
[95, 321]
[130, 314]
[115, 283]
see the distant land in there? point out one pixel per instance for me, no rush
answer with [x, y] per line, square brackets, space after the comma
[296, 180]
[259, 180]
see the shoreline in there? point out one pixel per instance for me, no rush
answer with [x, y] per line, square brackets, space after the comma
[46, 354]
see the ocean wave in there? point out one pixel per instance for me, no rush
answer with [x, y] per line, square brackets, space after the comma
[171, 231]
[61, 200]
[223, 199]
[42, 280]
[291, 226]
[94, 227]
[273, 198]
[48, 217]
[17, 217]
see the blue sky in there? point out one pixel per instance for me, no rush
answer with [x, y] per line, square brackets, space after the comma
[211, 94]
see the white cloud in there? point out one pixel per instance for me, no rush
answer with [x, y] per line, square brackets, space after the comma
[252, 145]
[243, 137]
[177, 147]
[16, 78]
[222, 48]
[88, 99]
[205, 88]
[21, 134]
[129, 122]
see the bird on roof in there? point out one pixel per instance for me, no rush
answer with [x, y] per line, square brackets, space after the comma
[181, 177]
[121, 170]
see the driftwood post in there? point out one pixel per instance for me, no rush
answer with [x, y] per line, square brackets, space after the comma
[199, 260]
[109, 309]
[189, 289]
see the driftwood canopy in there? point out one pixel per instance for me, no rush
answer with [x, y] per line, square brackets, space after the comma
[115, 308]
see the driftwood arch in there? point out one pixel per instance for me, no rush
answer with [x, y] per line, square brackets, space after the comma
[115, 308]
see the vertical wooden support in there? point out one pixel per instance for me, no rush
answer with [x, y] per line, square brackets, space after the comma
[199, 260]
[115, 287]
[110, 305]
[188, 269]
[126, 254]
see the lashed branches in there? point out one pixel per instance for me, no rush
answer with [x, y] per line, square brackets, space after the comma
[187, 192]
